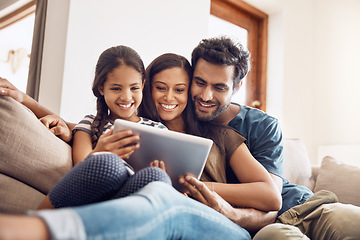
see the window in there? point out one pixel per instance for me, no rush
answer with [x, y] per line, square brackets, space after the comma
[16, 33]
[243, 16]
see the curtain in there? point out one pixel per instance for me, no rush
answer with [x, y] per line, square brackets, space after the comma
[33, 84]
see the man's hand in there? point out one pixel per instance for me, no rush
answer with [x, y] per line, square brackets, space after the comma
[248, 218]
[57, 126]
[199, 191]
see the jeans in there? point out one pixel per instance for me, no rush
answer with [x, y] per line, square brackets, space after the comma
[156, 211]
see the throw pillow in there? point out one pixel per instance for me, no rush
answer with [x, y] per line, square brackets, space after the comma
[340, 178]
[29, 152]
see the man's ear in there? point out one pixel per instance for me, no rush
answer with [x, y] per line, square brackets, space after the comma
[237, 87]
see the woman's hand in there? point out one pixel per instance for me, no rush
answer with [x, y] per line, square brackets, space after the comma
[122, 143]
[7, 89]
[199, 191]
[159, 164]
[57, 126]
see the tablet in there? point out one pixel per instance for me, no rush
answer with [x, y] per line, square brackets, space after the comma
[181, 153]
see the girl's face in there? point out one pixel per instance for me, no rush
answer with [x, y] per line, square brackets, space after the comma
[122, 91]
[170, 92]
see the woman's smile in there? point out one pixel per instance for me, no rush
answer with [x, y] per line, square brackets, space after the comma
[168, 107]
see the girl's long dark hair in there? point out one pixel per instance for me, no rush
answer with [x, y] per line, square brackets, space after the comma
[110, 59]
[147, 108]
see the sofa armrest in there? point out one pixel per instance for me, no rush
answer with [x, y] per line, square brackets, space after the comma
[29, 152]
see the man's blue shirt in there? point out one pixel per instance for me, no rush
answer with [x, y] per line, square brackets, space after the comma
[264, 140]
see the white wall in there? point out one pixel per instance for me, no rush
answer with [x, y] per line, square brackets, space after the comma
[88, 27]
[313, 62]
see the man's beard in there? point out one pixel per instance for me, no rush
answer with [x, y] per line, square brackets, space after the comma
[212, 115]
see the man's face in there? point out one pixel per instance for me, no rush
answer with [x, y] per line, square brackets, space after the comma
[211, 89]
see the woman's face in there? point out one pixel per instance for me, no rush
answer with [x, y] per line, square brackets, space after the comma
[170, 92]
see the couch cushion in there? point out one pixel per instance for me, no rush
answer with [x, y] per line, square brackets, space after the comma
[297, 167]
[17, 197]
[29, 152]
[340, 178]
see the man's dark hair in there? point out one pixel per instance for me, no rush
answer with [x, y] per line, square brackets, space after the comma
[223, 51]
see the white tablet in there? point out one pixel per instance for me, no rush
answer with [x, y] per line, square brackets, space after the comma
[181, 153]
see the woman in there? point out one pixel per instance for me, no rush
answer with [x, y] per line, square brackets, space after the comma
[166, 99]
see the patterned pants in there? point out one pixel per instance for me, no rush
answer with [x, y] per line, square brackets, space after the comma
[101, 177]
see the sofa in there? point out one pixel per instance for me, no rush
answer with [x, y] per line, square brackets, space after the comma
[32, 160]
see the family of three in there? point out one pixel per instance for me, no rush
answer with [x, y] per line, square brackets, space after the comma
[241, 189]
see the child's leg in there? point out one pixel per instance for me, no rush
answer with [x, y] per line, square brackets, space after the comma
[92, 180]
[142, 178]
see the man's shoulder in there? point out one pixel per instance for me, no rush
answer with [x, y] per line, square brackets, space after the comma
[250, 115]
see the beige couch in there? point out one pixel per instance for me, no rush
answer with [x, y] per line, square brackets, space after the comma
[32, 160]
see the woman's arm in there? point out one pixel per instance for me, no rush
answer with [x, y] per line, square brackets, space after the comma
[52, 121]
[7, 89]
[256, 188]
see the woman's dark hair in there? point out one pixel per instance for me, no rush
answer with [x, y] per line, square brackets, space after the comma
[110, 59]
[225, 51]
[147, 108]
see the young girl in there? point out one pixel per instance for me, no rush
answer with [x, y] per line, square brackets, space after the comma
[118, 84]
[166, 99]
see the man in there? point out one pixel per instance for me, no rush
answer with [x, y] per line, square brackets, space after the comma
[220, 64]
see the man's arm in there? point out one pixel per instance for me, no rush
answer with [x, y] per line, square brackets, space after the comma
[252, 219]
[248, 218]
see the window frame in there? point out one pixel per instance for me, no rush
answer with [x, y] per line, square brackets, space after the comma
[255, 22]
[18, 14]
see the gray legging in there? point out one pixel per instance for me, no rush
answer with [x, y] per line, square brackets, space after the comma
[101, 177]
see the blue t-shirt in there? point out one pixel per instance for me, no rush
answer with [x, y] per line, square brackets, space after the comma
[264, 140]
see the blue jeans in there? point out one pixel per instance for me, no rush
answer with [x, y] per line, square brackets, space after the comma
[156, 211]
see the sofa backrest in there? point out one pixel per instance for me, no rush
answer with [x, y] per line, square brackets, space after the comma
[297, 166]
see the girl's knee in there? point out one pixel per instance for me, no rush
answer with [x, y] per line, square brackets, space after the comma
[155, 174]
[106, 167]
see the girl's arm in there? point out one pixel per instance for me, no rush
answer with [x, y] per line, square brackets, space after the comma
[120, 143]
[256, 188]
[81, 146]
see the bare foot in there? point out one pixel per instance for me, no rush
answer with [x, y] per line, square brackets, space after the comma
[22, 227]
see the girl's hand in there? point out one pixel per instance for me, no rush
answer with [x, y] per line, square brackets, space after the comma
[122, 143]
[199, 191]
[159, 164]
[7, 89]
